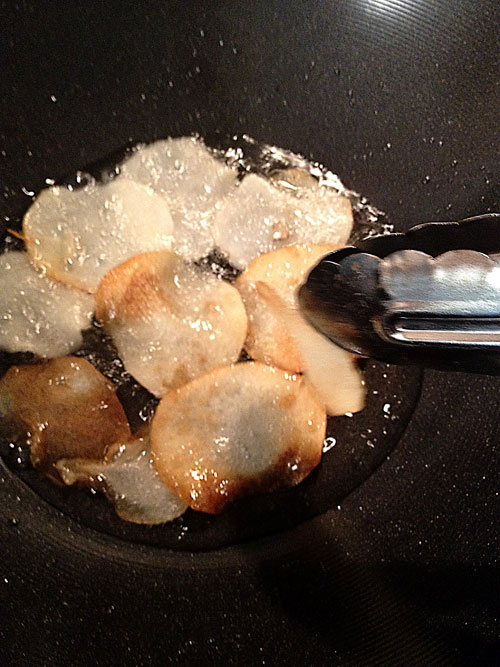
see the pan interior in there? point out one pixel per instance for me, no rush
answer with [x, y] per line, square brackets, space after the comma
[355, 445]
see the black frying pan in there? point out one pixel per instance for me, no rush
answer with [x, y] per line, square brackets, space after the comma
[386, 554]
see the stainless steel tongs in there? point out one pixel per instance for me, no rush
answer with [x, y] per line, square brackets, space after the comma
[429, 297]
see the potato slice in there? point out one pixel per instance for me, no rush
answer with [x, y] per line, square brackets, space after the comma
[192, 181]
[64, 407]
[268, 338]
[238, 430]
[330, 370]
[294, 178]
[38, 314]
[129, 480]
[258, 217]
[170, 320]
[79, 235]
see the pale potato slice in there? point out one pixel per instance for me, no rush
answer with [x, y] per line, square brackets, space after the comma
[192, 181]
[38, 314]
[170, 320]
[129, 480]
[238, 430]
[64, 407]
[268, 338]
[257, 217]
[79, 235]
[330, 370]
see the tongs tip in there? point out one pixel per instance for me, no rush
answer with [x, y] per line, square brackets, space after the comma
[413, 297]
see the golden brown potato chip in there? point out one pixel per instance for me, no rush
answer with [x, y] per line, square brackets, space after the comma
[330, 370]
[237, 430]
[170, 320]
[64, 407]
[268, 338]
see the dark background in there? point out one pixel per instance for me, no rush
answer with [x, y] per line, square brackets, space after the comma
[402, 100]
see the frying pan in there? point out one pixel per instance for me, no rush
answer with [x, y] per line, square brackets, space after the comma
[387, 554]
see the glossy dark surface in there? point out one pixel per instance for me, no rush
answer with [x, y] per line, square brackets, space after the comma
[401, 99]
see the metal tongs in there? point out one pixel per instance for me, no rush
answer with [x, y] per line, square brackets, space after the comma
[429, 297]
